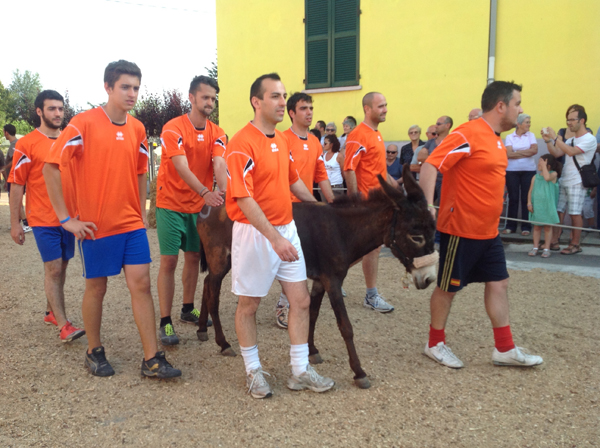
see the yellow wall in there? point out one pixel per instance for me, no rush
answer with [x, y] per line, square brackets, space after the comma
[552, 47]
[427, 58]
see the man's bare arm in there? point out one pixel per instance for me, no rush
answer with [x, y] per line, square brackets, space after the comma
[351, 183]
[325, 186]
[220, 168]
[256, 217]
[143, 189]
[427, 182]
[16, 202]
[180, 163]
[301, 192]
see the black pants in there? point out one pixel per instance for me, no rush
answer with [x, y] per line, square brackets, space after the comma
[517, 184]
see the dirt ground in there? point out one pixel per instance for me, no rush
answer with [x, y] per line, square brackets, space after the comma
[48, 399]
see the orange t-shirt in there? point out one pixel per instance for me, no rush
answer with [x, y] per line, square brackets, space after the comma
[308, 156]
[28, 162]
[473, 161]
[260, 167]
[365, 155]
[199, 146]
[107, 159]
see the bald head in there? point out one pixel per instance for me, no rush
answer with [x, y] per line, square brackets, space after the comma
[368, 99]
[475, 114]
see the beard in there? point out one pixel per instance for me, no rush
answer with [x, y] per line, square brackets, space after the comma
[50, 124]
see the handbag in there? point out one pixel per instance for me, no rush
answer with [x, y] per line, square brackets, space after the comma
[588, 173]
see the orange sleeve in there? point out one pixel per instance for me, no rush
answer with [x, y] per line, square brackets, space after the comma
[220, 144]
[320, 171]
[452, 149]
[354, 152]
[20, 167]
[240, 167]
[68, 145]
[172, 143]
[294, 174]
[143, 154]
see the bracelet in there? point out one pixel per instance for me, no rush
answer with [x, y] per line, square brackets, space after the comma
[430, 205]
[548, 141]
[202, 191]
[65, 220]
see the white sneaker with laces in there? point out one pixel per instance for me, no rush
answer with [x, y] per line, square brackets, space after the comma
[310, 380]
[442, 354]
[515, 357]
[258, 386]
[27, 229]
[377, 303]
[281, 315]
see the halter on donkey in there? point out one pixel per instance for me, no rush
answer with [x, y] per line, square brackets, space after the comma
[333, 238]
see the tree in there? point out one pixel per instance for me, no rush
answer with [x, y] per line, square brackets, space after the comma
[154, 110]
[23, 90]
[213, 72]
[70, 111]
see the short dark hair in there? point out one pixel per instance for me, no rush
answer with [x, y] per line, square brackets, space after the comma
[115, 69]
[321, 124]
[498, 91]
[316, 133]
[47, 95]
[335, 143]
[449, 121]
[10, 129]
[257, 90]
[580, 112]
[295, 99]
[206, 80]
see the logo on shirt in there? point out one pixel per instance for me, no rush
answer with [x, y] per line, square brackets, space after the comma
[305, 147]
[379, 137]
[120, 136]
[274, 147]
[200, 137]
[499, 144]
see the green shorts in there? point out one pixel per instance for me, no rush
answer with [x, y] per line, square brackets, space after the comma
[176, 231]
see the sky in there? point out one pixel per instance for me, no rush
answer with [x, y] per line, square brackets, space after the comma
[70, 42]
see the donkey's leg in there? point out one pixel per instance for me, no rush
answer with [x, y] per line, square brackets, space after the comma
[339, 308]
[316, 298]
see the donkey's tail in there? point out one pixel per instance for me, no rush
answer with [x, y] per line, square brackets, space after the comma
[203, 262]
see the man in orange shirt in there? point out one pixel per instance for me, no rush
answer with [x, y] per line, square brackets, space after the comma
[191, 146]
[365, 159]
[473, 162]
[307, 154]
[108, 152]
[56, 245]
[265, 244]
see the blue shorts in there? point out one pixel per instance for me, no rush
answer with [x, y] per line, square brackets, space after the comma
[54, 242]
[465, 260]
[107, 256]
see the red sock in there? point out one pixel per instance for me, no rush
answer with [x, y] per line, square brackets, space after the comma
[503, 339]
[436, 336]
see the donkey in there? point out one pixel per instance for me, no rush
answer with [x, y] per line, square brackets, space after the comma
[333, 238]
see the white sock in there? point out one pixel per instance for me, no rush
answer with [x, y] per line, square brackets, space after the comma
[299, 358]
[283, 300]
[251, 360]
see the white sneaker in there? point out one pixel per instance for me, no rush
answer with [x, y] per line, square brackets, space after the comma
[377, 303]
[442, 354]
[515, 357]
[281, 315]
[27, 229]
[344, 293]
[310, 380]
[257, 384]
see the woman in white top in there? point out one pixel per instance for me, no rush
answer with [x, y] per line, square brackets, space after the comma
[334, 161]
[521, 147]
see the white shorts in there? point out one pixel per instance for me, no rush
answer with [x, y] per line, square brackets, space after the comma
[588, 208]
[570, 199]
[254, 263]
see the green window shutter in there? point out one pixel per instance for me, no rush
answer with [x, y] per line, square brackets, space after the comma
[332, 43]
[345, 42]
[318, 43]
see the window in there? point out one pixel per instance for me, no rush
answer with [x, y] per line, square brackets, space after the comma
[331, 33]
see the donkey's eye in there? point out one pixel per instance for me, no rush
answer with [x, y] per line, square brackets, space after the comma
[419, 240]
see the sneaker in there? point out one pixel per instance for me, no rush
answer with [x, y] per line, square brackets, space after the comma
[515, 357]
[49, 319]
[69, 333]
[377, 303]
[442, 354]
[168, 335]
[344, 293]
[281, 315]
[258, 386]
[27, 229]
[159, 367]
[97, 364]
[310, 380]
[193, 317]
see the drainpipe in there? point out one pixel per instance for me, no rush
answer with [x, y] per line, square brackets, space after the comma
[492, 47]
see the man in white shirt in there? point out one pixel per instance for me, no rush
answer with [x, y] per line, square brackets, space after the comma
[572, 193]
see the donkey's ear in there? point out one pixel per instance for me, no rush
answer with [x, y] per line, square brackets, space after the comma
[395, 195]
[413, 189]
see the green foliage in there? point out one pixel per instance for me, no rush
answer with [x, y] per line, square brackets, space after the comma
[155, 110]
[213, 72]
[22, 93]
[70, 111]
[23, 127]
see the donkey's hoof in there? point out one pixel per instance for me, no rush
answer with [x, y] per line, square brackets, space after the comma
[202, 335]
[315, 359]
[229, 352]
[362, 383]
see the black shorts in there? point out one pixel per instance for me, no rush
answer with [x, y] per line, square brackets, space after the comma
[464, 261]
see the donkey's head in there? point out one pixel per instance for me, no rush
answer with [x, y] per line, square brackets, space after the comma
[412, 230]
